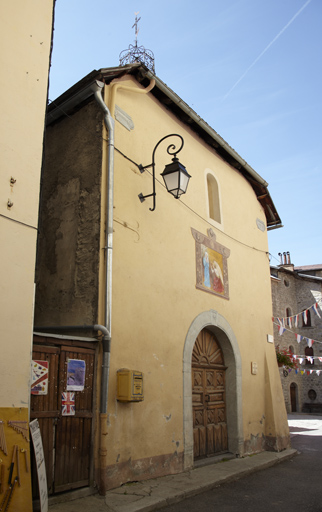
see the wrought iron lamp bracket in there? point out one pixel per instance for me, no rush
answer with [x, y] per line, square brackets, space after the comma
[171, 150]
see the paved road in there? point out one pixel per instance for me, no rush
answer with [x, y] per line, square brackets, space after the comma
[292, 486]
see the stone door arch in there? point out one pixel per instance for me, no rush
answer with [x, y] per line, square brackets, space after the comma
[218, 325]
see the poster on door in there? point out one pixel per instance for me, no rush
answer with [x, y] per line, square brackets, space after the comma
[75, 375]
[39, 377]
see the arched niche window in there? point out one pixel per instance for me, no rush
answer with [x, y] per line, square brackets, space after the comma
[308, 355]
[213, 198]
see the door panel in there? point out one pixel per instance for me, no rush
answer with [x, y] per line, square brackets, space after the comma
[45, 409]
[73, 438]
[67, 440]
[208, 397]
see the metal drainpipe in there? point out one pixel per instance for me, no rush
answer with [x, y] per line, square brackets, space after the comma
[97, 88]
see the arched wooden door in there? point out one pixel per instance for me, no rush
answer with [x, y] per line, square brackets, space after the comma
[208, 397]
[293, 397]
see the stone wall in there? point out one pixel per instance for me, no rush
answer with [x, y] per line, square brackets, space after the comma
[67, 271]
[292, 294]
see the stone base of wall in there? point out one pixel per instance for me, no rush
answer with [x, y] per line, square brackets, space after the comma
[263, 443]
[277, 444]
[141, 469]
[312, 408]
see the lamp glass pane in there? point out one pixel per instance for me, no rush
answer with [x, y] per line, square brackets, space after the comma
[172, 181]
[184, 182]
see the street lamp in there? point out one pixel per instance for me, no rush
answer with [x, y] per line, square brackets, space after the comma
[175, 175]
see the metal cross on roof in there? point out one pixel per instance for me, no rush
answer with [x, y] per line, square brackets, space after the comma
[136, 27]
[137, 53]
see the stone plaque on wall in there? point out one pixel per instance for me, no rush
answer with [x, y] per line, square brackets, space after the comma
[211, 264]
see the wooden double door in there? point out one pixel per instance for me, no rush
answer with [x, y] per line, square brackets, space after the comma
[208, 397]
[67, 439]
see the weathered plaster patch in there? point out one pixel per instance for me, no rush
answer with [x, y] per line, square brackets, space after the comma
[140, 469]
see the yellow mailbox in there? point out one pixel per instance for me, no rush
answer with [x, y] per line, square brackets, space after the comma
[129, 385]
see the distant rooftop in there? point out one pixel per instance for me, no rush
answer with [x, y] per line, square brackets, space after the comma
[308, 268]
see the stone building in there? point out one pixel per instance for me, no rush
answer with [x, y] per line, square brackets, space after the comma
[297, 302]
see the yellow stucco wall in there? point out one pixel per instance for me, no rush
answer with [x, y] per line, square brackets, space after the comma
[25, 40]
[155, 298]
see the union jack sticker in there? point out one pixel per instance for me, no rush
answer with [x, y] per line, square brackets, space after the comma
[68, 404]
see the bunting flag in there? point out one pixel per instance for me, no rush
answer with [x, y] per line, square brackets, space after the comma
[305, 372]
[299, 337]
[281, 327]
[315, 309]
[295, 318]
[286, 324]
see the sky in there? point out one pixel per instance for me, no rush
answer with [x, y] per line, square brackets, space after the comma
[252, 69]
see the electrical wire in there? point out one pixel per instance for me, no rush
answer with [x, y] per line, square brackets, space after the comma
[18, 222]
[191, 209]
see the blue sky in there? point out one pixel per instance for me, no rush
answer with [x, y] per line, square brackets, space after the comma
[250, 68]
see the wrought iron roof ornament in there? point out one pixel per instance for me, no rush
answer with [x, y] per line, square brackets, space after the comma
[136, 53]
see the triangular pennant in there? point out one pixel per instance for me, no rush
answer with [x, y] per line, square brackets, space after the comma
[304, 314]
[318, 372]
[281, 327]
[309, 342]
[315, 309]
[298, 338]
[296, 320]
